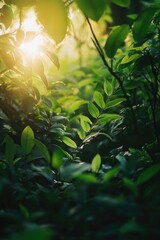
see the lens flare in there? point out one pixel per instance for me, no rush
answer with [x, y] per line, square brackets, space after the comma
[31, 46]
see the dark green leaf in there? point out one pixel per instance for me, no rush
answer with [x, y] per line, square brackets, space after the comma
[57, 157]
[142, 24]
[148, 173]
[73, 170]
[43, 149]
[122, 3]
[10, 149]
[111, 173]
[108, 117]
[114, 102]
[92, 8]
[115, 39]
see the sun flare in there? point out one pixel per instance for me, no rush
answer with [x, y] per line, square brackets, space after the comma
[31, 45]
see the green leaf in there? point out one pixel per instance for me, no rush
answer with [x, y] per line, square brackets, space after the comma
[129, 59]
[108, 117]
[85, 125]
[53, 57]
[53, 16]
[33, 232]
[85, 118]
[111, 173]
[108, 88]
[69, 142]
[27, 140]
[122, 3]
[142, 24]
[93, 110]
[114, 102]
[6, 16]
[10, 149]
[73, 170]
[43, 149]
[92, 8]
[87, 178]
[148, 173]
[96, 163]
[98, 98]
[130, 185]
[115, 39]
[57, 157]
[82, 134]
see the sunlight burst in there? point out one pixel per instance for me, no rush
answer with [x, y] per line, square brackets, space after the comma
[31, 45]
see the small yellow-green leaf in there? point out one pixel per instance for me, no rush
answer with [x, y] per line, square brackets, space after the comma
[69, 142]
[108, 88]
[27, 140]
[98, 98]
[96, 163]
[85, 125]
[93, 110]
[82, 134]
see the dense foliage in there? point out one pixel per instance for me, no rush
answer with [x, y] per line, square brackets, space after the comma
[79, 151]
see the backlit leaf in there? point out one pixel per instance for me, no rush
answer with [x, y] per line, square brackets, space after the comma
[98, 98]
[69, 142]
[27, 140]
[108, 88]
[85, 125]
[93, 110]
[53, 16]
[57, 157]
[96, 163]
